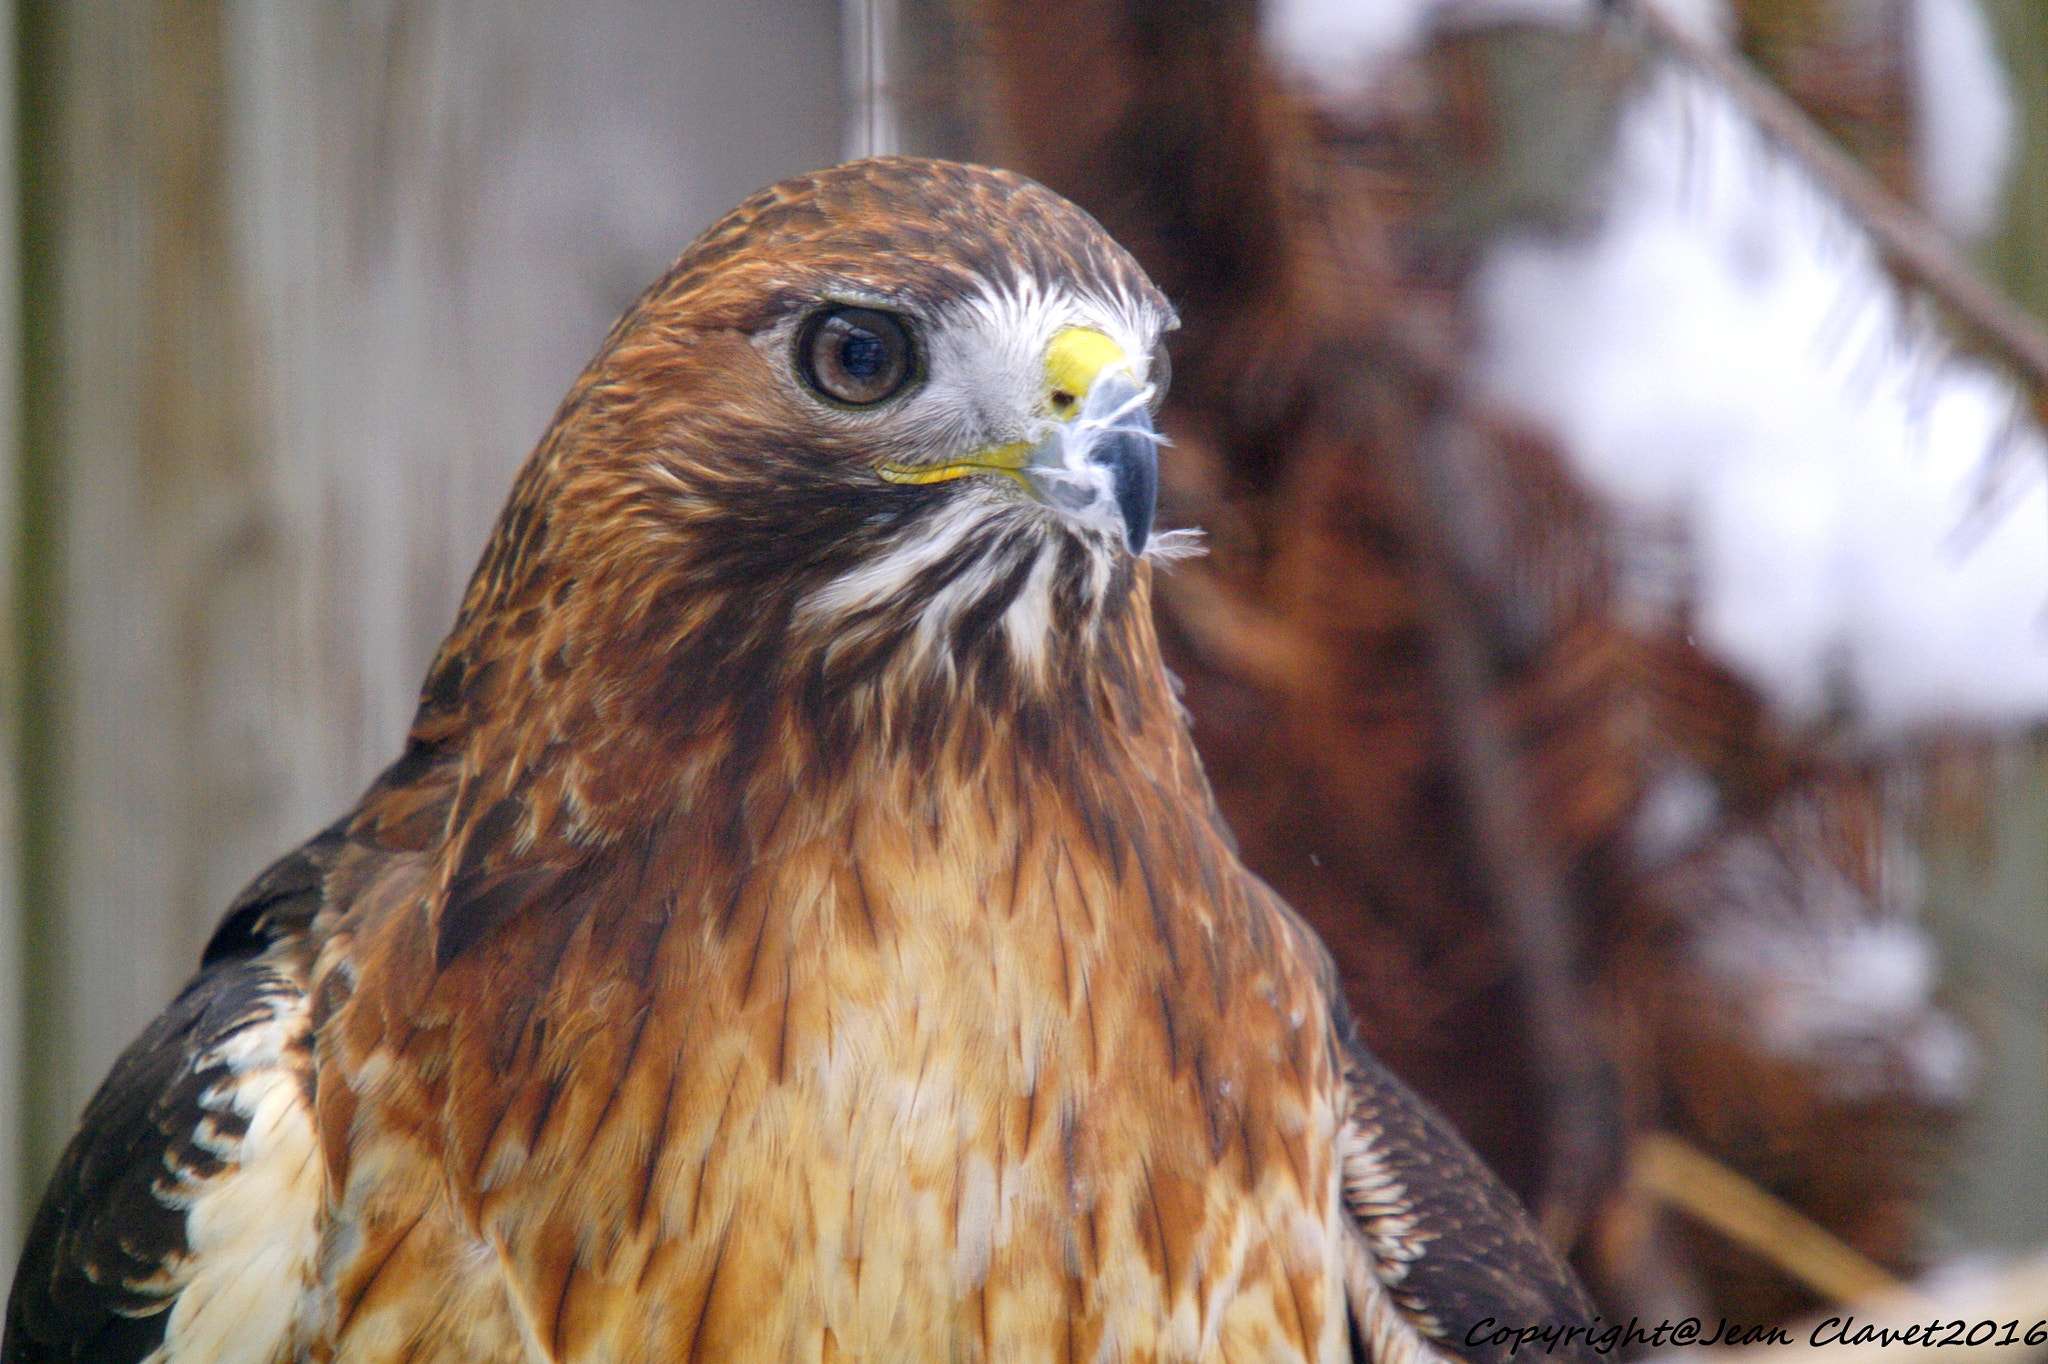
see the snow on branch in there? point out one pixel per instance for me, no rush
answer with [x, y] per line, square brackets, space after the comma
[1727, 361]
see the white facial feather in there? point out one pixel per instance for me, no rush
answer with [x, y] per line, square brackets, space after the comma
[988, 352]
[985, 387]
[1029, 617]
[884, 579]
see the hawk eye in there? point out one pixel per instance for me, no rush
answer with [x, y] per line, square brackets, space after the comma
[856, 356]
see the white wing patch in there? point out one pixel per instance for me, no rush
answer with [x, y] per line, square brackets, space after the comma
[252, 1230]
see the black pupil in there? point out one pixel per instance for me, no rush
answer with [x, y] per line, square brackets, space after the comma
[862, 354]
[857, 355]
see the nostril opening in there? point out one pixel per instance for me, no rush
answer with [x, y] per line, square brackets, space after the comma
[1062, 400]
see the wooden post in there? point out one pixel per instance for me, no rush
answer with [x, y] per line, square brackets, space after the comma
[317, 277]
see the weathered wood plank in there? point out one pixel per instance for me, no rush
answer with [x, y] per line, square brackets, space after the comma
[324, 273]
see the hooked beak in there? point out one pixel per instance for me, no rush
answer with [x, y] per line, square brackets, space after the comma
[1104, 461]
[1097, 459]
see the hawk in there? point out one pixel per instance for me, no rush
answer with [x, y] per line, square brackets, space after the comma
[798, 926]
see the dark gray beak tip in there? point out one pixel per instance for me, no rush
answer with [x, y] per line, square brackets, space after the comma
[1132, 458]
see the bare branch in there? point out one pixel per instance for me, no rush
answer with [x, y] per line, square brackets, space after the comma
[1686, 1178]
[1909, 241]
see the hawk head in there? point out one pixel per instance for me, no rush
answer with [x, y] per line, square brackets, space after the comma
[870, 473]
[898, 388]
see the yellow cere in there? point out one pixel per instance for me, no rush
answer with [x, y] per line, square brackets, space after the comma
[1073, 360]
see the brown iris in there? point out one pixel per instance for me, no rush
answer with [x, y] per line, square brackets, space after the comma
[856, 356]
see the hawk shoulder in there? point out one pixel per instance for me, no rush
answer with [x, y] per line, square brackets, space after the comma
[182, 1216]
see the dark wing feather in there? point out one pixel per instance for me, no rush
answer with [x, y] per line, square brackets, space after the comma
[279, 905]
[1445, 1242]
[108, 1253]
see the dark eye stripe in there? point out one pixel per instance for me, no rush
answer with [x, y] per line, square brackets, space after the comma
[856, 356]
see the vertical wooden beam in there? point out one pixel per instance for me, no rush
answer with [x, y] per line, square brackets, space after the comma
[27, 200]
[142, 428]
[307, 282]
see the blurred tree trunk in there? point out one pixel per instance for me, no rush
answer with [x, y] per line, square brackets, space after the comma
[1342, 646]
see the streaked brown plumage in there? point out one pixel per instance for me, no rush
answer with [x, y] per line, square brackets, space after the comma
[799, 926]
[1320, 251]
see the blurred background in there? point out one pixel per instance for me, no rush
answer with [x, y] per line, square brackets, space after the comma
[1615, 427]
